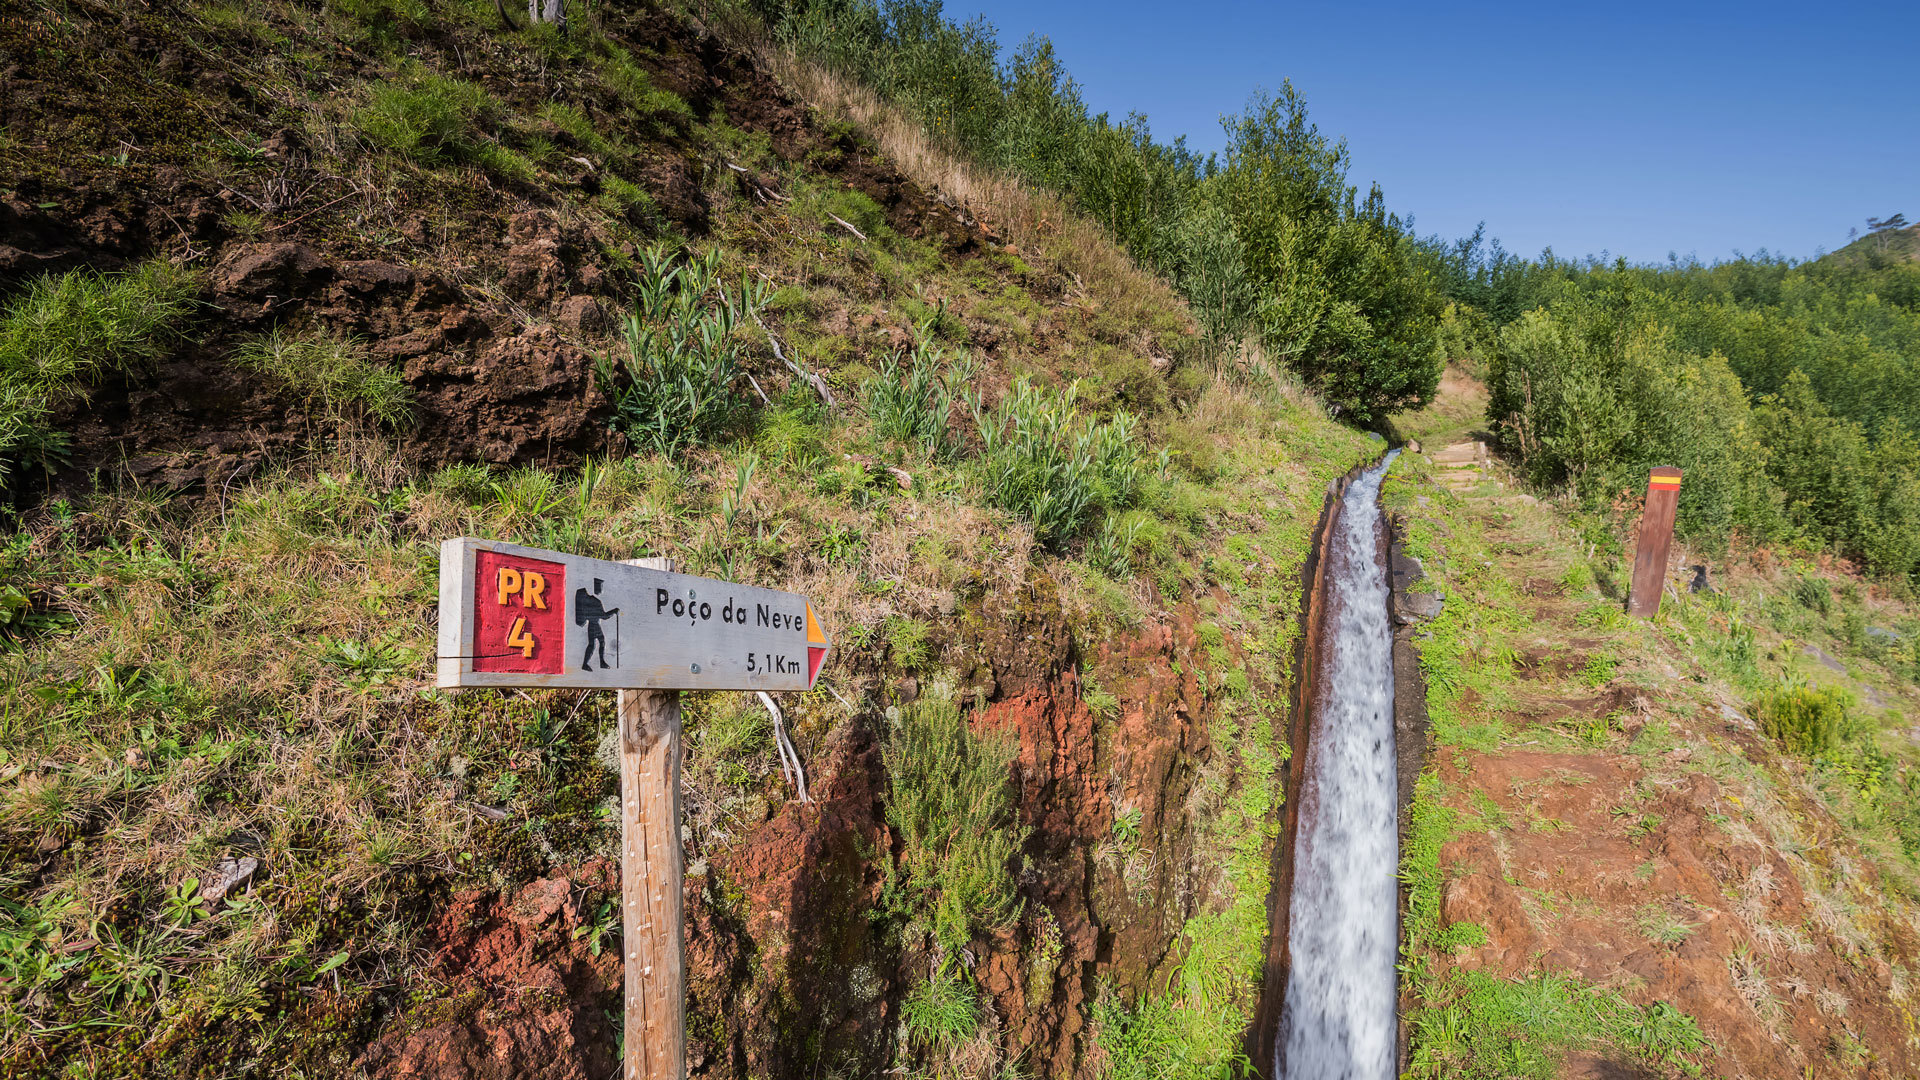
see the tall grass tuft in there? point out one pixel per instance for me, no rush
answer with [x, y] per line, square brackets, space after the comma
[681, 361]
[941, 1013]
[1042, 460]
[334, 374]
[67, 331]
[910, 402]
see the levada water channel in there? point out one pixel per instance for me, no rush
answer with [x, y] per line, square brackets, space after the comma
[1337, 1022]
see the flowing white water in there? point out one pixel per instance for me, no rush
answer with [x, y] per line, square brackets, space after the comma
[1338, 1020]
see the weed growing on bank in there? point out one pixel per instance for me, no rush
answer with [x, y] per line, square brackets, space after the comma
[335, 375]
[66, 332]
[951, 801]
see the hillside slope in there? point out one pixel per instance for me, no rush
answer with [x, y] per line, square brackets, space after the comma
[378, 253]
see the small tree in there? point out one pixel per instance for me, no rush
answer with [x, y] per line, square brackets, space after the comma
[1882, 229]
[538, 11]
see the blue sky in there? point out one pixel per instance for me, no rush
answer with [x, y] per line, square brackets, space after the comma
[1629, 128]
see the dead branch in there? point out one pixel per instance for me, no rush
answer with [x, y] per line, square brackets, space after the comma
[810, 378]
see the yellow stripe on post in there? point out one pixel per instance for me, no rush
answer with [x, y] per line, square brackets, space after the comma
[1656, 535]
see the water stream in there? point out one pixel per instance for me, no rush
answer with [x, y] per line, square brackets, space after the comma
[1338, 1019]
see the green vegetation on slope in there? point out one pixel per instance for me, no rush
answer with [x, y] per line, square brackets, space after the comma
[1270, 242]
[1545, 852]
[249, 673]
[64, 333]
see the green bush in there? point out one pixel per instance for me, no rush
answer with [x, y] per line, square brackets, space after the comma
[910, 402]
[1585, 393]
[1042, 460]
[1346, 302]
[1789, 392]
[951, 798]
[332, 373]
[67, 331]
[681, 361]
[1808, 720]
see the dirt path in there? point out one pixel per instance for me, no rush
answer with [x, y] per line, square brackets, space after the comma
[1617, 822]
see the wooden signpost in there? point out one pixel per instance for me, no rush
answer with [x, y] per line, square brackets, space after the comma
[1656, 537]
[519, 616]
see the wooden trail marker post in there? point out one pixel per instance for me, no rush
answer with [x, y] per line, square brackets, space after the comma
[1656, 538]
[520, 616]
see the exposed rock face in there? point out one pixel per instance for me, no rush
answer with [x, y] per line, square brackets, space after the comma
[531, 999]
[797, 968]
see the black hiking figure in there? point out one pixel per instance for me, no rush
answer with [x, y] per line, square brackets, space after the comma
[587, 612]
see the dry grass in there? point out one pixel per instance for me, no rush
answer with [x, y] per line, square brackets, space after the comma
[1033, 220]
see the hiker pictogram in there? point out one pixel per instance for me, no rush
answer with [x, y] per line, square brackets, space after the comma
[590, 613]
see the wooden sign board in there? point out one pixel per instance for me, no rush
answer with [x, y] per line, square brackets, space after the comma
[520, 616]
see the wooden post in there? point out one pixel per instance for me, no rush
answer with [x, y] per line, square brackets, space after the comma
[651, 875]
[1656, 537]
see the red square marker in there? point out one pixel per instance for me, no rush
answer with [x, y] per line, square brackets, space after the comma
[519, 614]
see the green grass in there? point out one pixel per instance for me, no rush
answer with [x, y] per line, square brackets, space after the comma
[941, 1013]
[334, 375]
[1475, 1026]
[433, 120]
[65, 332]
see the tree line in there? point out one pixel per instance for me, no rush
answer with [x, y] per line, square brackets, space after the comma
[1788, 390]
[1267, 240]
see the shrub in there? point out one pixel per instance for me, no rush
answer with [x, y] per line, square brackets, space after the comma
[1807, 720]
[681, 361]
[951, 800]
[1344, 298]
[1044, 462]
[1813, 594]
[911, 404]
[333, 373]
[1584, 392]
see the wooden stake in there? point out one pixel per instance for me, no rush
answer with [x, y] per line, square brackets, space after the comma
[1656, 538]
[651, 874]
